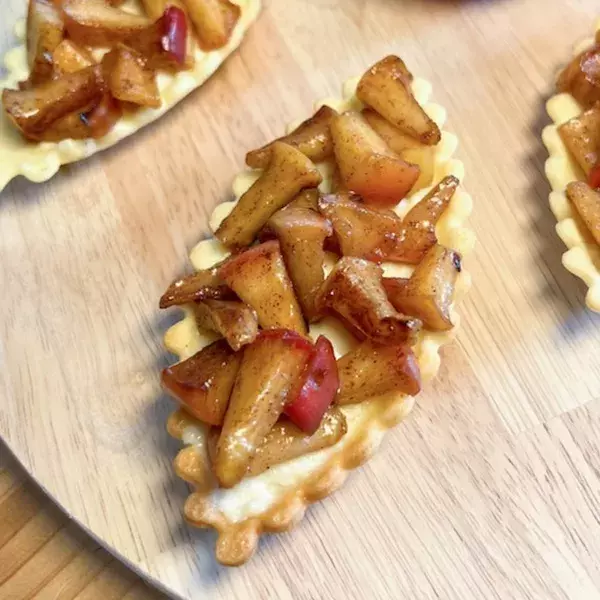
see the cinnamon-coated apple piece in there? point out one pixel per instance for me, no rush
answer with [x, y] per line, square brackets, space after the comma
[361, 230]
[315, 389]
[308, 198]
[260, 279]
[154, 8]
[367, 166]
[301, 233]
[384, 87]
[371, 370]
[418, 226]
[213, 20]
[69, 57]
[45, 31]
[93, 121]
[288, 172]
[407, 147]
[587, 203]
[235, 321]
[206, 284]
[97, 23]
[354, 291]
[128, 78]
[165, 43]
[203, 382]
[286, 441]
[581, 77]
[312, 137]
[269, 369]
[581, 136]
[429, 292]
[34, 110]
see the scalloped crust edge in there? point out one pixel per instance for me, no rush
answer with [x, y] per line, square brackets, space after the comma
[237, 540]
[40, 161]
[582, 257]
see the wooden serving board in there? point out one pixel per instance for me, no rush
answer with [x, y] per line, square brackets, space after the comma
[490, 490]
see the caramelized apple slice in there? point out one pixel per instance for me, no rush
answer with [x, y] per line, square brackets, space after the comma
[214, 21]
[407, 147]
[154, 8]
[367, 166]
[69, 57]
[428, 294]
[45, 31]
[286, 441]
[372, 370]
[354, 290]
[235, 321]
[315, 389]
[164, 43]
[34, 110]
[581, 78]
[418, 226]
[307, 198]
[259, 277]
[384, 87]
[587, 203]
[301, 233]
[312, 138]
[288, 172]
[360, 230]
[129, 80]
[202, 285]
[96, 23]
[270, 367]
[203, 383]
[94, 121]
[581, 136]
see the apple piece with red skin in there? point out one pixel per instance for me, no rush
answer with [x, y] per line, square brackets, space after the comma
[581, 77]
[316, 388]
[594, 177]
[372, 370]
[269, 370]
[260, 278]
[203, 382]
[164, 43]
[367, 166]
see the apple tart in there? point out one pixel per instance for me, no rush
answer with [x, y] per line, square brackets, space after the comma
[316, 312]
[92, 72]
[573, 166]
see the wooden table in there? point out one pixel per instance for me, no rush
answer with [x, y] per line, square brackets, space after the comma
[491, 489]
[44, 555]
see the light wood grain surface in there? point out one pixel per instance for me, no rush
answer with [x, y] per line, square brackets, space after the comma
[490, 490]
[45, 556]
